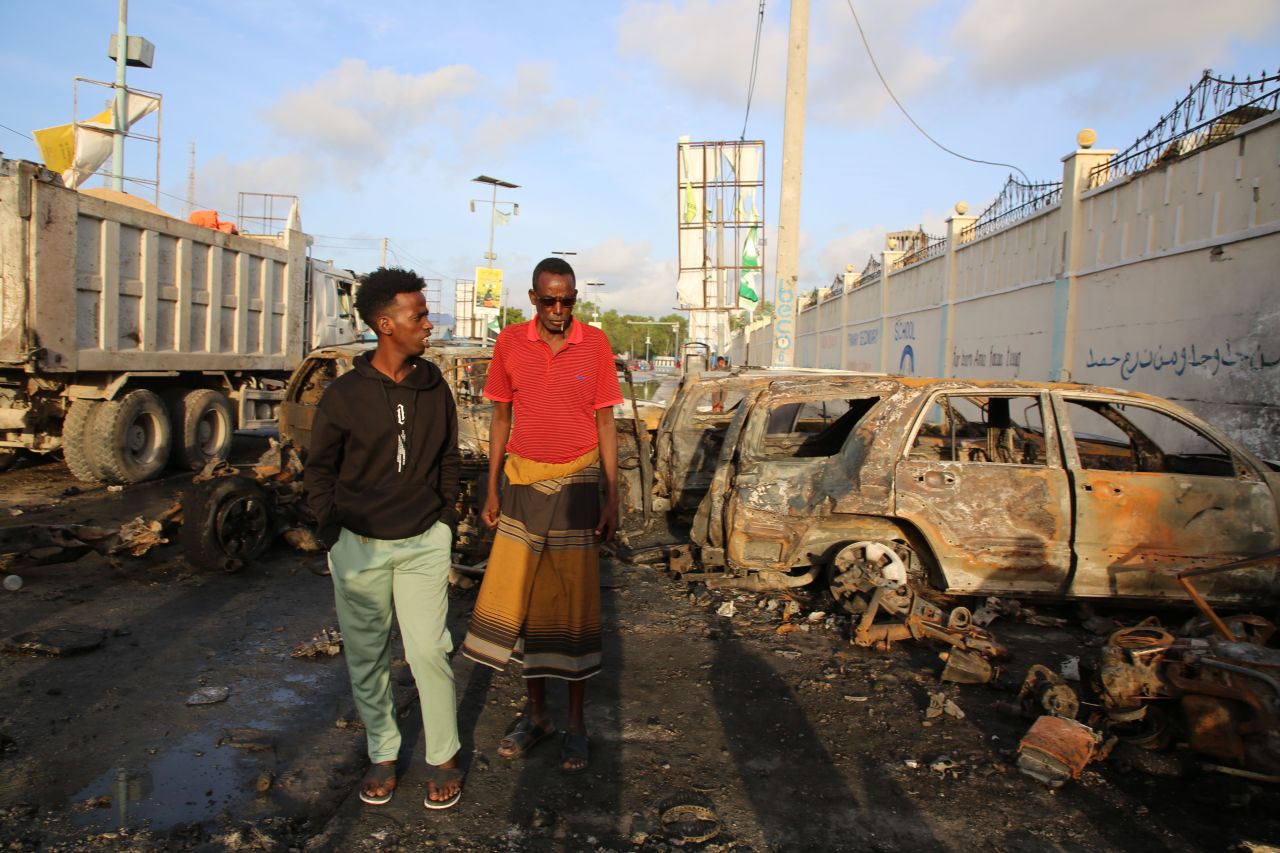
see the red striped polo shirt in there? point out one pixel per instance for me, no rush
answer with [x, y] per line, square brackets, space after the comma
[553, 398]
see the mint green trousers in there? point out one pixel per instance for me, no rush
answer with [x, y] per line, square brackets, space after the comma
[372, 578]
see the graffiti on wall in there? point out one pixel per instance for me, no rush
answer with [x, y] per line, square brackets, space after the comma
[992, 357]
[864, 338]
[1179, 359]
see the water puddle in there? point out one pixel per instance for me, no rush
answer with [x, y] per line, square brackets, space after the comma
[192, 781]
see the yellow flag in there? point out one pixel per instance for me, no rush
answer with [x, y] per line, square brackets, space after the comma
[57, 146]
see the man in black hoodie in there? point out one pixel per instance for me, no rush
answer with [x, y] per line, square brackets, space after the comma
[382, 479]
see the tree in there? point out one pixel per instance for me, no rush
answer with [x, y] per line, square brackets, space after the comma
[512, 316]
[762, 311]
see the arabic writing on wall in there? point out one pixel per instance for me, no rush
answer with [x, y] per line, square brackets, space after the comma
[991, 358]
[1179, 359]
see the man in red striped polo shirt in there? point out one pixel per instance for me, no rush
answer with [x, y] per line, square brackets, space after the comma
[554, 385]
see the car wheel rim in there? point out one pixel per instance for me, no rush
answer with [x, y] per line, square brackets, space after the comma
[241, 525]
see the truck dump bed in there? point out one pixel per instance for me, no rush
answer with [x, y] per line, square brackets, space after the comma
[89, 284]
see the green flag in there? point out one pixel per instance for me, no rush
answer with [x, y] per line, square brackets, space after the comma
[745, 290]
[750, 249]
[493, 326]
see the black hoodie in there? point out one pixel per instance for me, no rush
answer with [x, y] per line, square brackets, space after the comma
[383, 460]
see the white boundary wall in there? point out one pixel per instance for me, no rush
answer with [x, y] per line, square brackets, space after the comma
[1167, 282]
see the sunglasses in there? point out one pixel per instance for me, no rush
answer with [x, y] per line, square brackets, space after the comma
[549, 301]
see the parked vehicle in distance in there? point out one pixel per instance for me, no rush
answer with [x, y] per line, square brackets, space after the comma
[969, 487]
[130, 339]
[464, 366]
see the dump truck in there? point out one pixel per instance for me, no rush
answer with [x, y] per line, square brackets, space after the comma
[130, 340]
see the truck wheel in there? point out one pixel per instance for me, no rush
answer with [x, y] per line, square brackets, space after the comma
[130, 437]
[8, 456]
[76, 431]
[226, 523]
[202, 428]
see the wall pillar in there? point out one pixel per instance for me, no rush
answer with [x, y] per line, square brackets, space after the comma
[887, 257]
[1075, 181]
[955, 225]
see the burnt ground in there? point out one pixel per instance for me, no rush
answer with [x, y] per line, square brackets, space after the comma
[791, 741]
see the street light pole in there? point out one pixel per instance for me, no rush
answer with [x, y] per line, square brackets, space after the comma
[489, 256]
[599, 304]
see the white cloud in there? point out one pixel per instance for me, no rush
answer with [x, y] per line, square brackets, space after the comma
[853, 248]
[704, 47]
[842, 86]
[220, 180]
[526, 108]
[1021, 45]
[635, 283]
[355, 111]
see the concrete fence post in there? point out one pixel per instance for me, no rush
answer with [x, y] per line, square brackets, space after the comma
[955, 225]
[1076, 167]
[887, 257]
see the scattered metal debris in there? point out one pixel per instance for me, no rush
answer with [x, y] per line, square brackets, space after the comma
[326, 643]
[1045, 692]
[965, 667]
[1056, 749]
[209, 696]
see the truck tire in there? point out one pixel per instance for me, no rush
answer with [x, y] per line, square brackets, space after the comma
[226, 523]
[130, 437]
[202, 428]
[8, 456]
[76, 437]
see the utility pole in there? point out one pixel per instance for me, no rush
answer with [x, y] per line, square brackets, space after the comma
[382, 262]
[784, 320]
[191, 179]
[122, 100]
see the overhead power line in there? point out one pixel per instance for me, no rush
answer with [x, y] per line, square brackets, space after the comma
[755, 64]
[914, 123]
[26, 136]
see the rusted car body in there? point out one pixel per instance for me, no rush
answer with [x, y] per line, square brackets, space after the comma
[464, 369]
[974, 487]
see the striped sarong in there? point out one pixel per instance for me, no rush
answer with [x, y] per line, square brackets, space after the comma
[539, 604]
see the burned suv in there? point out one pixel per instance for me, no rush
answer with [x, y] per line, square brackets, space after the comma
[970, 487]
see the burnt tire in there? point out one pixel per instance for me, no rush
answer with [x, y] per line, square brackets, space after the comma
[226, 523]
[130, 437]
[203, 427]
[76, 433]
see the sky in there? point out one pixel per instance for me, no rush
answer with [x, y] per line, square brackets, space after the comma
[378, 114]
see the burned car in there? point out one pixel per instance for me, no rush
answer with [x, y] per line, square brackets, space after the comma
[973, 487]
[464, 367]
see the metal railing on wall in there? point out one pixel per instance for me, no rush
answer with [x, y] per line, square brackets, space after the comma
[1212, 110]
[1016, 201]
[934, 247]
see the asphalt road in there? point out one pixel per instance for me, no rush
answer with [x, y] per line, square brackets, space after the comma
[701, 723]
